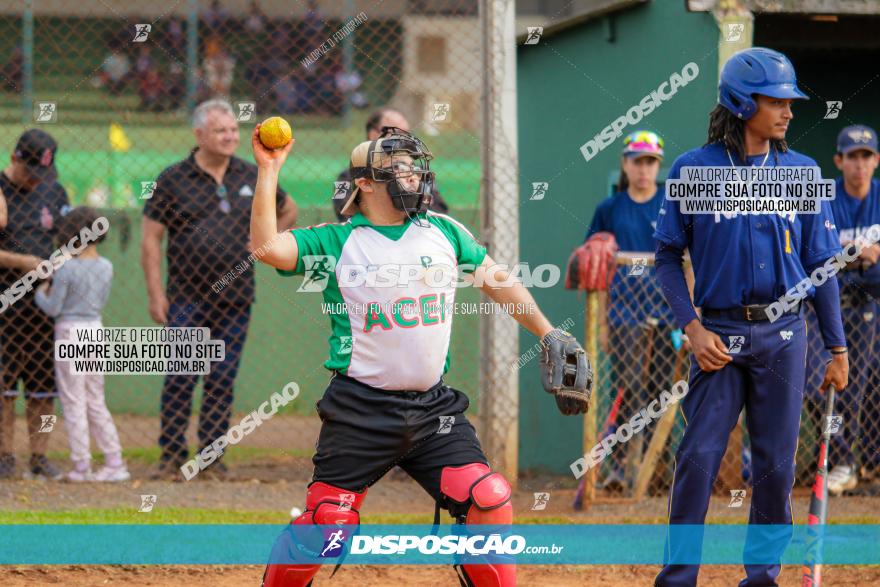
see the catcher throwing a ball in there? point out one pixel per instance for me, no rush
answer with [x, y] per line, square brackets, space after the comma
[386, 401]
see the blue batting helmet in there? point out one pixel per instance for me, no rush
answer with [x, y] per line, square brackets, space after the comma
[756, 71]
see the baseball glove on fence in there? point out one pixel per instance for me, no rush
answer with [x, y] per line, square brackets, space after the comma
[566, 372]
[591, 265]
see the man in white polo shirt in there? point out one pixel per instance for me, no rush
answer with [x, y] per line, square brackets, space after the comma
[387, 272]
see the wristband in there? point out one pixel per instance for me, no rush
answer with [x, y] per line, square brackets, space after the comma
[839, 351]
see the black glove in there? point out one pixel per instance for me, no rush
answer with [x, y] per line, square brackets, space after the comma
[566, 372]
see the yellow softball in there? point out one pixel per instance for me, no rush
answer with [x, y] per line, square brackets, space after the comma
[275, 132]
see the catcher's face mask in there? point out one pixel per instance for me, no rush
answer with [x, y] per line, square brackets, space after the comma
[401, 161]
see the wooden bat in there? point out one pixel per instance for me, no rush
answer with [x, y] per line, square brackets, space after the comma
[659, 438]
[818, 515]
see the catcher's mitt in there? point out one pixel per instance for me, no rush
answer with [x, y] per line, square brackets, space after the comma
[591, 265]
[566, 372]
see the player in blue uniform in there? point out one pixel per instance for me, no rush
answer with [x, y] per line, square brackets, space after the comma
[742, 263]
[631, 213]
[856, 214]
[637, 312]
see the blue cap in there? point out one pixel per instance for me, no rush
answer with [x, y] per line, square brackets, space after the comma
[857, 136]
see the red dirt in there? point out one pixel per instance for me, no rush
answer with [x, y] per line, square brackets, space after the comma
[375, 576]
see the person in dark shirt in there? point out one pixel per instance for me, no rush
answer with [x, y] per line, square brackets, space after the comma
[204, 204]
[35, 201]
[377, 120]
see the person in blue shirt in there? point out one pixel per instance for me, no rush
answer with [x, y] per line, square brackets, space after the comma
[856, 209]
[743, 356]
[640, 322]
[631, 213]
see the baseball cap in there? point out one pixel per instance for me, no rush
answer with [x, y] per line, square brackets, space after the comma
[857, 136]
[36, 149]
[643, 142]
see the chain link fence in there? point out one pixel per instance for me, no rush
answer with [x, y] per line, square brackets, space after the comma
[855, 435]
[641, 354]
[115, 85]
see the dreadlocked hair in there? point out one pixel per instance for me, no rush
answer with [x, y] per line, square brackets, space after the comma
[728, 130]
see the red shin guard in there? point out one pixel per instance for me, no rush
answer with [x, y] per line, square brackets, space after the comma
[325, 505]
[479, 496]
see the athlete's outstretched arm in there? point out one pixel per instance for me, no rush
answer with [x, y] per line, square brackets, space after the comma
[502, 288]
[274, 248]
[560, 350]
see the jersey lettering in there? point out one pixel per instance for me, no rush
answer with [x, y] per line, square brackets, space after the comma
[407, 313]
[376, 317]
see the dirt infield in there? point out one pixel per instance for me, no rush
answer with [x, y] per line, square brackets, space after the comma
[262, 490]
[423, 576]
[394, 494]
[391, 495]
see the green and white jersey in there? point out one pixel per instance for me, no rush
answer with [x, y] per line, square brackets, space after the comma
[393, 337]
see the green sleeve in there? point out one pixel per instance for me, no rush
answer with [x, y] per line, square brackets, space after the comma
[323, 239]
[468, 250]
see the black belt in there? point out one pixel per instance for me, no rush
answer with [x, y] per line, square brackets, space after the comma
[754, 313]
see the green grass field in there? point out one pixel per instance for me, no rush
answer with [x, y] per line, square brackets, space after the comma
[94, 174]
[287, 335]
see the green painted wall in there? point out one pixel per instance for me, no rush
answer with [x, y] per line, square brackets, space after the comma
[571, 86]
